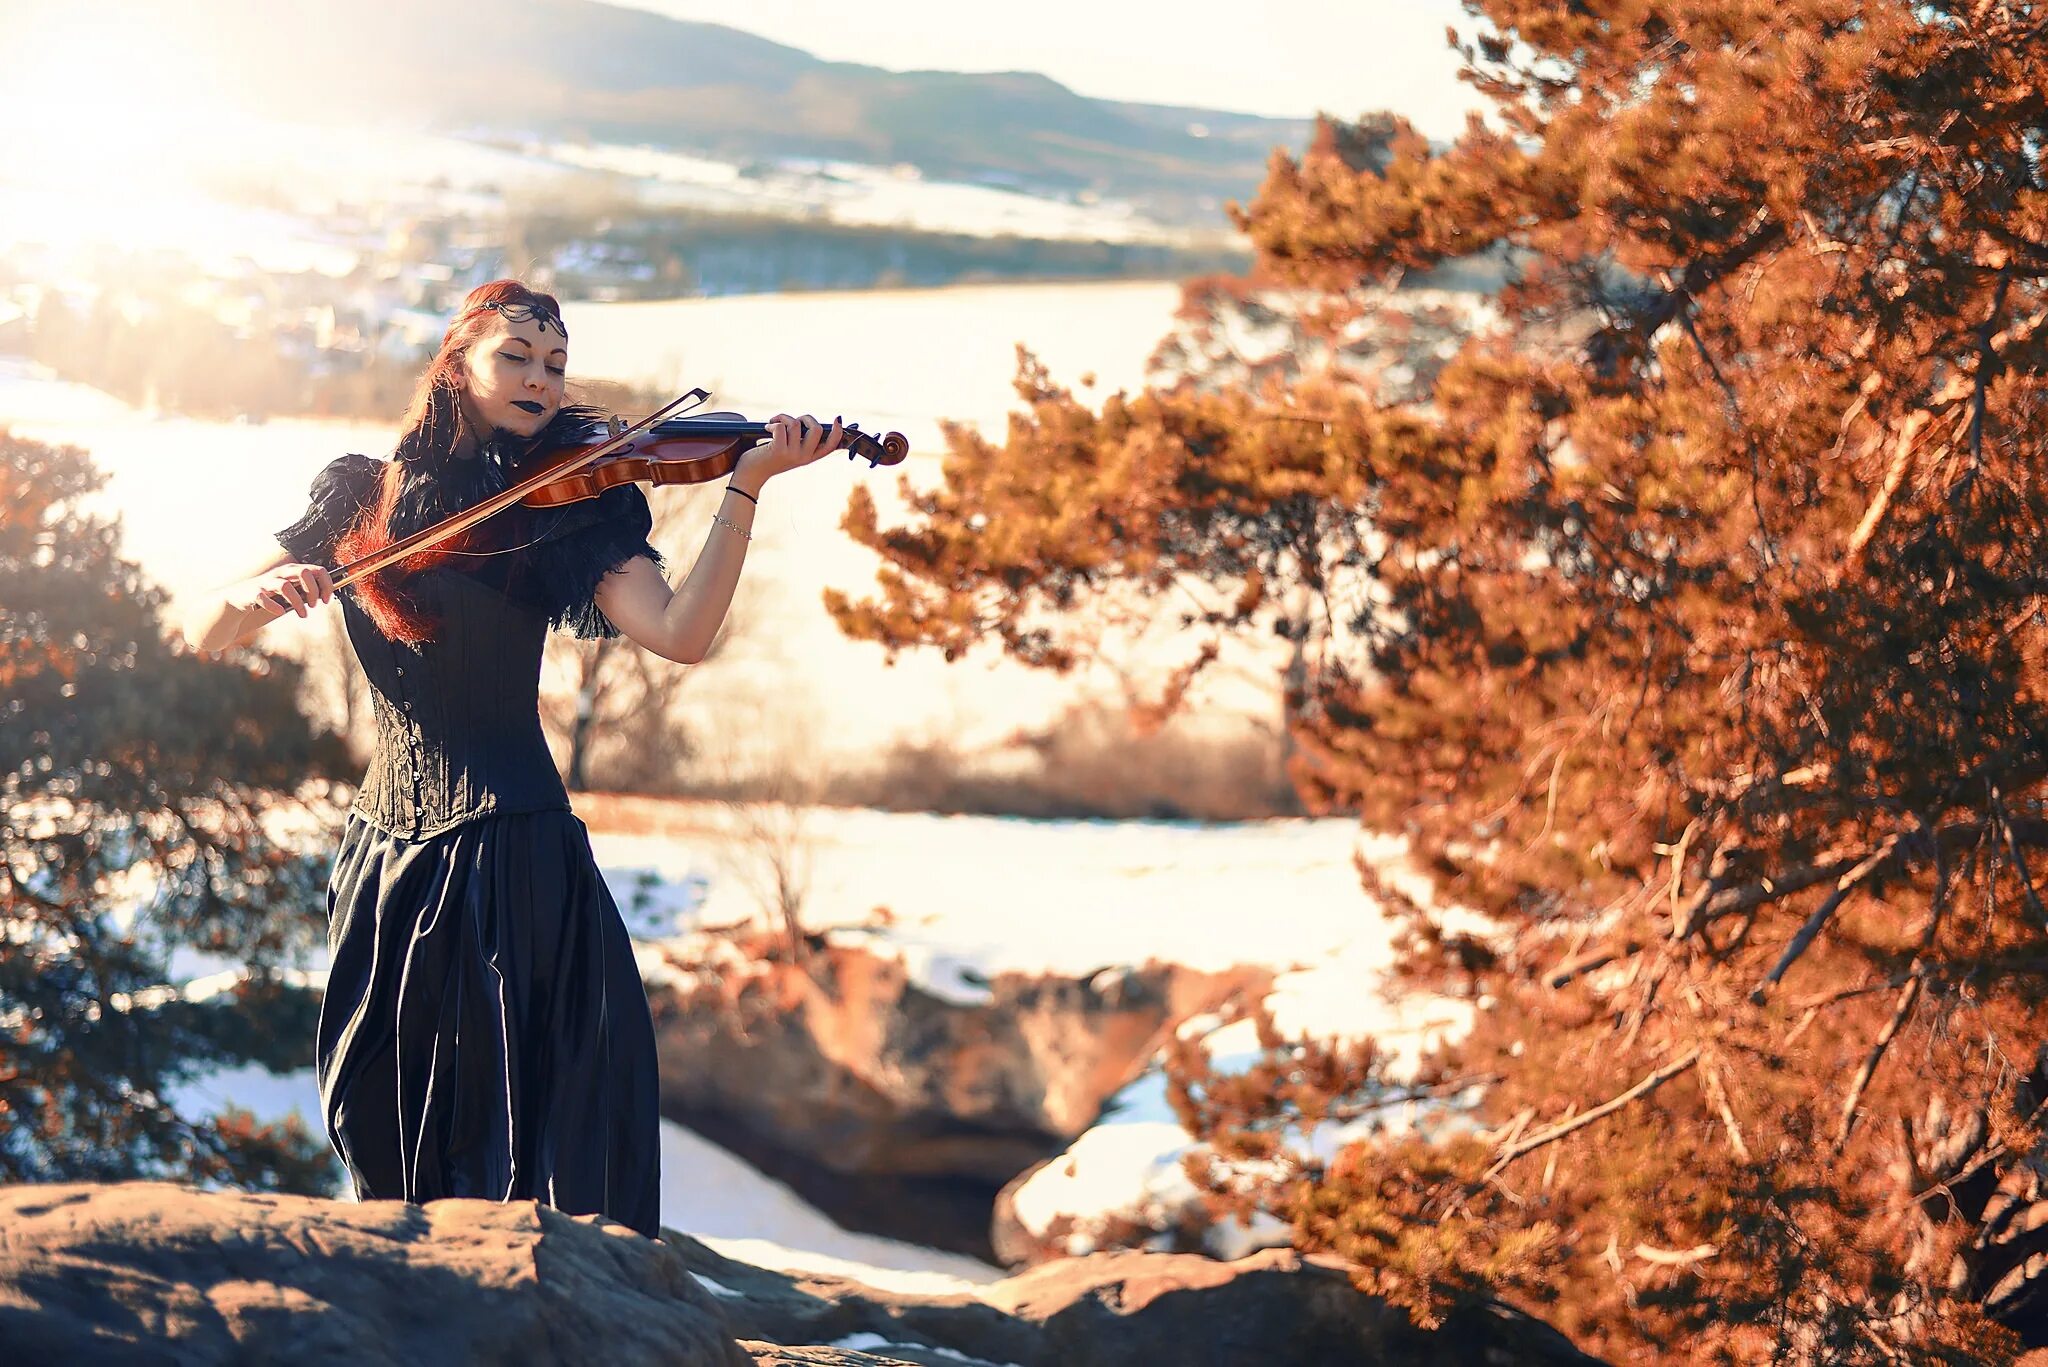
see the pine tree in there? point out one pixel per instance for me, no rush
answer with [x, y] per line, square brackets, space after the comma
[143, 809]
[1690, 626]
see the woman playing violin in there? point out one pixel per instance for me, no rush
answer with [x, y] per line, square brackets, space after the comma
[484, 1031]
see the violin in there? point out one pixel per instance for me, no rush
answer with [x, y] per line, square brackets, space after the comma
[611, 451]
[692, 450]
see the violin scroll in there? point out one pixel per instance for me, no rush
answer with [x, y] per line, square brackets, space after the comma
[889, 449]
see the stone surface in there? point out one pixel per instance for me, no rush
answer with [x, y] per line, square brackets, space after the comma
[149, 1272]
[1113, 1309]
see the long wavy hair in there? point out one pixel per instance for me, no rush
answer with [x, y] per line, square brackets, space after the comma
[432, 425]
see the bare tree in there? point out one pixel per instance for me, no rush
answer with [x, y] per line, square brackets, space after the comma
[610, 691]
[769, 799]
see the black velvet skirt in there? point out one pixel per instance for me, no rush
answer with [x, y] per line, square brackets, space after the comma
[484, 1031]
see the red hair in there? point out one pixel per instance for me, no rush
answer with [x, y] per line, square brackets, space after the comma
[432, 423]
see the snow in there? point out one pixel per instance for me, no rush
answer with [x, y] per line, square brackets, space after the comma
[713, 1196]
[868, 1342]
[1128, 1161]
[196, 166]
[857, 193]
[714, 1286]
[970, 897]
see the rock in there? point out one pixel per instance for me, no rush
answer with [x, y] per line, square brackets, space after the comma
[148, 1272]
[848, 1060]
[1274, 1306]
[1112, 1309]
[846, 1065]
[145, 1272]
[1010, 1239]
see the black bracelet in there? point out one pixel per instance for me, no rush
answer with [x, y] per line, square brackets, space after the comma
[735, 489]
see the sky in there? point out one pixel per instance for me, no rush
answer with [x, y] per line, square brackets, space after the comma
[1289, 58]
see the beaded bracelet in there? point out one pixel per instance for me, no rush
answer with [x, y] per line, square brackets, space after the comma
[722, 520]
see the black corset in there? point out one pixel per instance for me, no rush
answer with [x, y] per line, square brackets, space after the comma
[458, 716]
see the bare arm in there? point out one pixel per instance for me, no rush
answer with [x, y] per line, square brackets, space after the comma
[681, 624]
[235, 612]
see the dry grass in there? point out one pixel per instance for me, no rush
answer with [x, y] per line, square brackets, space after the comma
[1094, 762]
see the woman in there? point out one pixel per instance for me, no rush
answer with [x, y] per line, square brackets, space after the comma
[484, 1032]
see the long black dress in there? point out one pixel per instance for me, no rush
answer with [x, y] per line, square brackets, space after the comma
[484, 1031]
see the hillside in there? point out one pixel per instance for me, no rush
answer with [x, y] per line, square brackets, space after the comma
[579, 69]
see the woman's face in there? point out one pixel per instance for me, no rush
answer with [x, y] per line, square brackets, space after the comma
[515, 373]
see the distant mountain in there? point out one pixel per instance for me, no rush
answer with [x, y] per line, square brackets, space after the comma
[575, 68]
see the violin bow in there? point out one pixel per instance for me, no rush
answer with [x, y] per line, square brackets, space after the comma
[356, 569]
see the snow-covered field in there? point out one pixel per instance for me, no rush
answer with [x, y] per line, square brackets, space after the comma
[205, 174]
[855, 193]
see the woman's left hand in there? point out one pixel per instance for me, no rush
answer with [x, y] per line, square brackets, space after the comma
[796, 442]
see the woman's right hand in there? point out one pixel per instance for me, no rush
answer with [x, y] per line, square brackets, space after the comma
[288, 588]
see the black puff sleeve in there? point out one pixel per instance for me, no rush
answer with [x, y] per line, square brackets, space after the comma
[592, 538]
[339, 492]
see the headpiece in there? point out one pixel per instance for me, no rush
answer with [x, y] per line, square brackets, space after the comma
[526, 311]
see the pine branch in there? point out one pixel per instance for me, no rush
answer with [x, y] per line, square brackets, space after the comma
[1719, 1097]
[1556, 1132]
[2018, 852]
[1583, 964]
[1907, 998]
[1715, 901]
[1816, 1004]
[1676, 1257]
[1807, 933]
[1916, 977]
[1909, 437]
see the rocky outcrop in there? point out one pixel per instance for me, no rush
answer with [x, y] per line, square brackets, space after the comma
[1113, 1309]
[149, 1272]
[848, 1065]
[850, 1061]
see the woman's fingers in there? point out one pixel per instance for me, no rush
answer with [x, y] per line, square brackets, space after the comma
[820, 440]
[800, 440]
[297, 588]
